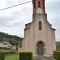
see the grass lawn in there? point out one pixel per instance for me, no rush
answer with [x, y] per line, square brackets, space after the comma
[14, 56]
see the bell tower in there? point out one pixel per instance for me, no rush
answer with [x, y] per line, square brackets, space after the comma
[39, 5]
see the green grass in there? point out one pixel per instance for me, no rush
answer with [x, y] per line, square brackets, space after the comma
[14, 56]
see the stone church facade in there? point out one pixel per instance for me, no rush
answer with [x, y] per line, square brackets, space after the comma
[39, 36]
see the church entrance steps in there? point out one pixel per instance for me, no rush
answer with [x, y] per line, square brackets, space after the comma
[43, 58]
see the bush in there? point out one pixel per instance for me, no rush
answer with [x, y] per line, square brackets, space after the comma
[25, 56]
[2, 55]
[57, 55]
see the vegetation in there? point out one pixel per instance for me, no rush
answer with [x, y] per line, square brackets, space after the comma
[13, 56]
[25, 56]
[2, 55]
[57, 55]
[14, 40]
[57, 52]
[58, 45]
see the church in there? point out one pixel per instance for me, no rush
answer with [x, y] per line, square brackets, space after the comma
[39, 36]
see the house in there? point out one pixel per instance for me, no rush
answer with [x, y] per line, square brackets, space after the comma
[7, 47]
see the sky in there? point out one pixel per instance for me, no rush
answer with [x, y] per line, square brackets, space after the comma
[13, 20]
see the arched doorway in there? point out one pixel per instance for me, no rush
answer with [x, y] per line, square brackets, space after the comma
[40, 48]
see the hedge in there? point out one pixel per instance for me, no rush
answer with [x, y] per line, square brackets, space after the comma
[2, 55]
[25, 56]
[57, 55]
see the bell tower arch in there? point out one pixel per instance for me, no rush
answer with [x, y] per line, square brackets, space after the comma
[38, 4]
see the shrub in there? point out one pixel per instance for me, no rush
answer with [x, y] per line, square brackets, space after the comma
[2, 55]
[57, 55]
[25, 56]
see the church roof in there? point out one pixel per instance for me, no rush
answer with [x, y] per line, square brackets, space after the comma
[27, 26]
[53, 28]
[42, 0]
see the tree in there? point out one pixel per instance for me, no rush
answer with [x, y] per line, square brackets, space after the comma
[14, 42]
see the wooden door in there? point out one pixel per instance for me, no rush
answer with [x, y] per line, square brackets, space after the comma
[40, 49]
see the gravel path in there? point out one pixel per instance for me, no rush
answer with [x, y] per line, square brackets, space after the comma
[43, 58]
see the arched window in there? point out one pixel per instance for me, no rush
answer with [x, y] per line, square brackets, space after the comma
[42, 0]
[38, 3]
[43, 4]
[40, 25]
[34, 4]
[33, 0]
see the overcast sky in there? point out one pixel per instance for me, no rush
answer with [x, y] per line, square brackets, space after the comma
[13, 20]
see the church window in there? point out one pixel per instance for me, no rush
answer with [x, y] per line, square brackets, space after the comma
[38, 3]
[43, 4]
[40, 26]
[43, 0]
[33, 0]
[34, 4]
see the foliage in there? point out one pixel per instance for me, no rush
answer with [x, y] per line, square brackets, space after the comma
[14, 40]
[58, 45]
[2, 55]
[4, 48]
[25, 56]
[57, 55]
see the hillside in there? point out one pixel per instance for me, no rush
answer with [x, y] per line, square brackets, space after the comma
[11, 38]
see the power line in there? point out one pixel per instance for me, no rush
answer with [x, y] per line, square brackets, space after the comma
[15, 5]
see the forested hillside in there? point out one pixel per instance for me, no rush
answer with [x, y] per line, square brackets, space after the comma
[12, 39]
